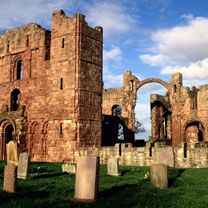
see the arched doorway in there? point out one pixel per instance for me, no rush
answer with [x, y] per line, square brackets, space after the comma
[7, 136]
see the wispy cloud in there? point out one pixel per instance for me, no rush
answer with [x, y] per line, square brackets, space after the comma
[15, 13]
[113, 17]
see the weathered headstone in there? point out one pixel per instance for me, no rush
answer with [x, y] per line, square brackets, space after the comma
[69, 168]
[10, 178]
[22, 170]
[12, 153]
[87, 178]
[113, 166]
[159, 176]
[166, 156]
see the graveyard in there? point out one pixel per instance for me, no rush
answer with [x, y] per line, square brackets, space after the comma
[48, 186]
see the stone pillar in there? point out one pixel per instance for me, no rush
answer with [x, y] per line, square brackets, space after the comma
[159, 176]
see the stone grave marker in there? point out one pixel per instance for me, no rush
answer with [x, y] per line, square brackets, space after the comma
[166, 156]
[87, 178]
[10, 178]
[23, 166]
[69, 168]
[12, 153]
[159, 176]
[113, 166]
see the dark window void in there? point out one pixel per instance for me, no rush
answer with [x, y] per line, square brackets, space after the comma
[61, 84]
[15, 100]
[27, 41]
[120, 132]
[8, 133]
[63, 43]
[185, 150]
[116, 110]
[19, 70]
[200, 135]
[61, 129]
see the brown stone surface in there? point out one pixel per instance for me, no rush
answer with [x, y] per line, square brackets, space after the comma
[166, 156]
[12, 153]
[10, 178]
[159, 176]
[55, 105]
[23, 166]
[87, 178]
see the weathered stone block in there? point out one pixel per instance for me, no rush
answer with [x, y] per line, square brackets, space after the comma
[159, 176]
[87, 178]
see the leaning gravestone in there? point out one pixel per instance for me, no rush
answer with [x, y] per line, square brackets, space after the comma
[10, 178]
[159, 176]
[12, 153]
[166, 156]
[87, 177]
[22, 170]
[113, 167]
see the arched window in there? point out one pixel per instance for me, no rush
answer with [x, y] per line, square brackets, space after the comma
[19, 70]
[15, 100]
[116, 110]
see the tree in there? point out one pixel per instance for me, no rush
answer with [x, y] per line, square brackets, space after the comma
[138, 127]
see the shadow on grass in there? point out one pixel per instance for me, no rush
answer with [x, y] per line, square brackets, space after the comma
[47, 175]
[123, 172]
[176, 173]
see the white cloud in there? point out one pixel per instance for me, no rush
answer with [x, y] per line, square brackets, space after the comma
[114, 54]
[180, 45]
[15, 13]
[197, 70]
[154, 60]
[114, 18]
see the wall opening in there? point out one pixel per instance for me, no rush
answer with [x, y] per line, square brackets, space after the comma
[116, 110]
[61, 129]
[19, 70]
[15, 94]
[61, 84]
[63, 42]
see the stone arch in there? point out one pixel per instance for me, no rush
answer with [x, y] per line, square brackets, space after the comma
[159, 127]
[156, 80]
[193, 131]
[7, 133]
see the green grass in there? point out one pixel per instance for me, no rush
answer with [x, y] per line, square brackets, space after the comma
[49, 187]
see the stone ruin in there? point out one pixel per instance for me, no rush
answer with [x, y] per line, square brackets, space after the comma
[54, 105]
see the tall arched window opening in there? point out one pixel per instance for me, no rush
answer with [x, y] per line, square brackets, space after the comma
[15, 100]
[116, 110]
[19, 70]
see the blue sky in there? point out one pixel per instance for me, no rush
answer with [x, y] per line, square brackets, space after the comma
[152, 38]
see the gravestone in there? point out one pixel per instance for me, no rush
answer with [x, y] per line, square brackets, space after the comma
[166, 156]
[113, 167]
[87, 178]
[69, 168]
[10, 178]
[12, 153]
[159, 176]
[23, 166]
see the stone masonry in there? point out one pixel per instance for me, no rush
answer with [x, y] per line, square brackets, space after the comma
[51, 86]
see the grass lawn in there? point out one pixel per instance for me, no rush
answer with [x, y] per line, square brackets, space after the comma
[49, 187]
